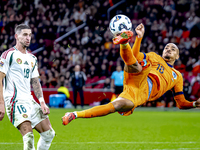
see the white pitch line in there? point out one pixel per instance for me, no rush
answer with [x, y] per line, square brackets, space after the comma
[2, 143]
[125, 142]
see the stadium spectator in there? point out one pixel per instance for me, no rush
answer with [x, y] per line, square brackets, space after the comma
[78, 79]
[175, 21]
[107, 84]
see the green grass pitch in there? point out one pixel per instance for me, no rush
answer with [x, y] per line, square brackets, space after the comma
[154, 129]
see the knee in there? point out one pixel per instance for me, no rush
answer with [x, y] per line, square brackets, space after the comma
[123, 105]
[134, 68]
[48, 135]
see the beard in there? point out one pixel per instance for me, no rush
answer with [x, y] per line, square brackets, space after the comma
[25, 45]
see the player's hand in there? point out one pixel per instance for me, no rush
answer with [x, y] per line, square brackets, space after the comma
[2, 111]
[45, 108]
[198, 103]
[140, 30]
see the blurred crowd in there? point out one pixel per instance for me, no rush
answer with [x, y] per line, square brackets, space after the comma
[91, 47]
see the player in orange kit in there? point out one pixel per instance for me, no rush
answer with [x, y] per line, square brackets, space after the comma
[146, 78]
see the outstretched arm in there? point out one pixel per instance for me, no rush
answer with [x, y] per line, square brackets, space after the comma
[182, 103]
[136, 47]
[38, 93]
[2, 107]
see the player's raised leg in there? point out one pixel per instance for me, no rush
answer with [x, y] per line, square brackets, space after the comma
[120, 104]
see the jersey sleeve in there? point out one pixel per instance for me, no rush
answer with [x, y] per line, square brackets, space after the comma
[35, 69]
[5, 62]
[179, 97]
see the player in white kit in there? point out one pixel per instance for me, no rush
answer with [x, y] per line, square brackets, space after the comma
[18, 71]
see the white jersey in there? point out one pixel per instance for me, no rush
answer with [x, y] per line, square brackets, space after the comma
[19, 69]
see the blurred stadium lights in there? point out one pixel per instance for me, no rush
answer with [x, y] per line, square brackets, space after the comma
[37, 50]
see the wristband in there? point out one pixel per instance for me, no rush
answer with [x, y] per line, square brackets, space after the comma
[194, 104]
[41, 99]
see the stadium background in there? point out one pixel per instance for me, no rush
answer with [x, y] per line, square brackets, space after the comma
[58, 46]
[66, 33]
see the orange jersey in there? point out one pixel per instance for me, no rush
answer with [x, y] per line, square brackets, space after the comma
[164, 78]
[163, 75]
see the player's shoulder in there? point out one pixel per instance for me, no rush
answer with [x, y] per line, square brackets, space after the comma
[177, 72]
[177, 75]
[6, 53]
[153, 54]
[31, 55]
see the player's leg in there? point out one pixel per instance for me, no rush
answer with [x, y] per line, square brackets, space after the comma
[19, 114]
[28, 138]
[130, 56]
[131, 64]
[121, 104]
[41, 123]
[46, 134]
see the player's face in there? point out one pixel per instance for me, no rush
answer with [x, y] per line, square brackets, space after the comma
[24, 37]
[170, 52]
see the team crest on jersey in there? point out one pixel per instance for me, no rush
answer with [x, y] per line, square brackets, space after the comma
[174, 75]
[19, 61]
[25, 115]
[32, 64]
[1, 63]
[143, 63]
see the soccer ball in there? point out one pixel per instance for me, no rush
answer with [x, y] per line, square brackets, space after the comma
[119, 23]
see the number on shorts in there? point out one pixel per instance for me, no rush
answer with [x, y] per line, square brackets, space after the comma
[21, 109]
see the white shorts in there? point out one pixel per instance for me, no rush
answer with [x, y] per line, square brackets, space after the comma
[19, 111]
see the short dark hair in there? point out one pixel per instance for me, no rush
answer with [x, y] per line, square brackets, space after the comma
[19, 27]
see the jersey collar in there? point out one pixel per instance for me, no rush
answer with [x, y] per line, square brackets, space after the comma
[169, 65]
[17, 49]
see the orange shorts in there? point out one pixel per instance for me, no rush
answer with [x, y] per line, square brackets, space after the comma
[136, 88]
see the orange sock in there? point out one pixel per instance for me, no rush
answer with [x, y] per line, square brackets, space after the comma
[127, 54]
[96, 111]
